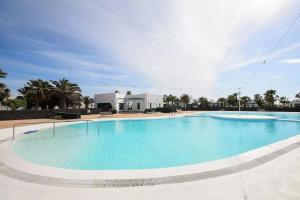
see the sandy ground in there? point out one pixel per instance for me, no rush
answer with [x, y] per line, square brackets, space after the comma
[10, 123]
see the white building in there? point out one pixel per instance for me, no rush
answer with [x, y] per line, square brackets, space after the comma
[252, 104]
[91, 105]
[109, 101]
[122, 102]
[296, 103]
[4, 107]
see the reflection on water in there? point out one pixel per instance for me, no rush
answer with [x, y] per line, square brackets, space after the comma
[271, 127]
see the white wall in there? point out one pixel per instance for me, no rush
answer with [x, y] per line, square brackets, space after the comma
[119, 98]
[134, 100]
[113, 98]
[4, 107]
[143, 99]
[155, 100]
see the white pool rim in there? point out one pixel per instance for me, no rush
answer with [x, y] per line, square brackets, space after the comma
[245, 117]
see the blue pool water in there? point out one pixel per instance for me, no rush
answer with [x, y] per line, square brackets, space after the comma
[152, 143]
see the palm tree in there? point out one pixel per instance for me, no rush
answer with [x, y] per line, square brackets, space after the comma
[195, 103]
[203, 101]
[36, 93]
[4, 91]
[270, 97]
[128, 92]
[4, 94]
[68, 93]
[185, 99]
[232, 100]
[2, 74]
[176, 102]
[222, 101]
[259, 100]
[284, 100]
[166, 100]
[74, 101]
[87, 101]
[245, 100]
[172, 99]
[169, 98]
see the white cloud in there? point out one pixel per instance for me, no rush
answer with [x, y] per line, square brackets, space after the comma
[291, 61]
[72, 60]
[277, 76]
[260, 59]
[175, 44]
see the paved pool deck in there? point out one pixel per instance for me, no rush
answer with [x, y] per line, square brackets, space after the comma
[278, 179]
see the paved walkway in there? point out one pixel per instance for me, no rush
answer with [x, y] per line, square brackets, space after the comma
[278, 179]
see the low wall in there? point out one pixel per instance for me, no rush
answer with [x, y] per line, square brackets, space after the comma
[38, 114]
[287, 109]
[223, 108]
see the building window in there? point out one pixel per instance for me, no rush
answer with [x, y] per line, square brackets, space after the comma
[121, 106]
[138, 106]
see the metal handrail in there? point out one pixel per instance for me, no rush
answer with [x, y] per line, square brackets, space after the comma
[54, 125]
[172, 115]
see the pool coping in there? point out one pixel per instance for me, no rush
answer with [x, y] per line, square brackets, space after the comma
[14, 167]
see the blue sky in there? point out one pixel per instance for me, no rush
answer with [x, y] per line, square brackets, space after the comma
[204, 48]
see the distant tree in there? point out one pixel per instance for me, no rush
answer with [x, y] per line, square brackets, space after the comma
[176, 102]
[172, 99]
[259, 100]
[195, 102]
[128, 92]
[203, 101]
[297, 95]
[4, 91]
[245, 100]
[284, 101]
[117, 91]
[232, 100]
[69, 94]
[185, 99]
[166, 100]
[222, 101]
[87, 101]
[169, 99]
[270, 97]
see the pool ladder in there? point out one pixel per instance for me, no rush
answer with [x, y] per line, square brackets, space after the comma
[54, 125]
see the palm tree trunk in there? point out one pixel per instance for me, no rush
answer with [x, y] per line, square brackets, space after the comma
[62, 102]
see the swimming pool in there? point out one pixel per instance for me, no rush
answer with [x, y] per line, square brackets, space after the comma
[152, 143]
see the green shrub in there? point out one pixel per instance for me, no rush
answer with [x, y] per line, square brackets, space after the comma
[114, 111]
[15, 104]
